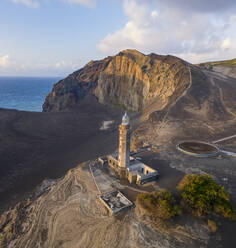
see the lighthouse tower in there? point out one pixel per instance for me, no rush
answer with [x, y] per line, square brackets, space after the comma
[124, 144]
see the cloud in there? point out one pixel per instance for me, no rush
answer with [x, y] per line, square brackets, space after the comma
[64, 65]
[159, 26]
[35, 3]
[154, 14]
[89, 3]
[29, 3]
[57, 68]
[9, 66]
[226, 44]
[200, 5]
[5, 61]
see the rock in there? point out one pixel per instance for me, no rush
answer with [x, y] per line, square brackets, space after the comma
[130, 79]
[69, 91]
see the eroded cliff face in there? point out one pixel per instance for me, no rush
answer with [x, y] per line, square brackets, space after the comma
[69, 91]
[130, 79]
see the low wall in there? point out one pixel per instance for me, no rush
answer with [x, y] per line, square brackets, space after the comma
[199, 155]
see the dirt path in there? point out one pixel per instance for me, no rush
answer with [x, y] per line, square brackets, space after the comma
[223, 139]
[164, 122]
[222, 97]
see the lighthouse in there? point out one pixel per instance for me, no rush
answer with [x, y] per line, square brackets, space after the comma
[124, 143]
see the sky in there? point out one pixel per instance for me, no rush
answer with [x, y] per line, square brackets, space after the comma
[57, 37]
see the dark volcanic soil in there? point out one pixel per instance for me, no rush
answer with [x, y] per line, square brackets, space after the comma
[35, 146]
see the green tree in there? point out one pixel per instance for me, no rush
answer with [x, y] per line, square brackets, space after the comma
[201, 195]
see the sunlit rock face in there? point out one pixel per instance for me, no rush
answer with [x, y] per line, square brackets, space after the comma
[130, 80]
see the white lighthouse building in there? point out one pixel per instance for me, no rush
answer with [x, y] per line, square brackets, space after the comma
[126, 166]
[124, 142]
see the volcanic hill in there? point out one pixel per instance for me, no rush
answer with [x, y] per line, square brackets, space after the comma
[129, 79]
[164, 89]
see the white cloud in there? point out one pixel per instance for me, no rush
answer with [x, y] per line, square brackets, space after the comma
[60, 67]
[64, 65]
[30, 3]
[9, 66]
[226, 44]
[154, 26]
[35, 3]
[5, 61]
[154, 14]
[89, 3]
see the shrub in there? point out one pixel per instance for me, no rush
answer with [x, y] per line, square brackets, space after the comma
[159, 204]
[201, 195]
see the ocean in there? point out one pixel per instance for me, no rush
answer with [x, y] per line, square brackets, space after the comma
[25, 93]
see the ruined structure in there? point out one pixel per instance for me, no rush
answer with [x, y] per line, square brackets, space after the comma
[125, 165]
[115, 201]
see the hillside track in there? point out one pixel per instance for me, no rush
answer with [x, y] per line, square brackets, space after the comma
[164, 120]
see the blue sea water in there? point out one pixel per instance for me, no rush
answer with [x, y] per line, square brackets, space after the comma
[25, 93]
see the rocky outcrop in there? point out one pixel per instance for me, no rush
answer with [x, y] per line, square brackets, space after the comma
[69, 91]
[130, 79]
